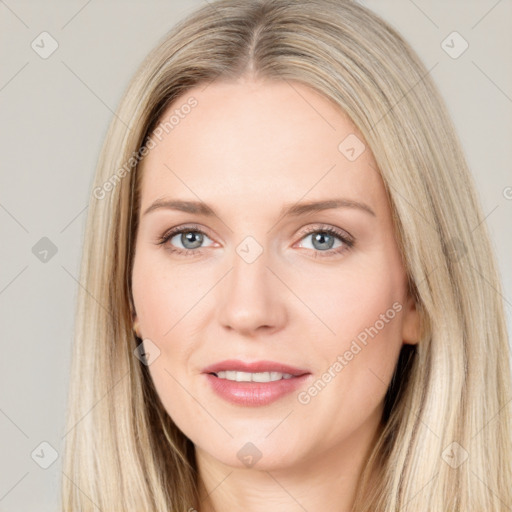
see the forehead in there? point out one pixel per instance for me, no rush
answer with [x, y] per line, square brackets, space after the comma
[255, 143]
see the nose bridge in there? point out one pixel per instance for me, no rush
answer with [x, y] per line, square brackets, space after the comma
[250, 295]
[250, 263]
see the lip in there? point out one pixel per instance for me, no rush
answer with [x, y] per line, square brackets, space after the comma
[252, 394]
[254, 367]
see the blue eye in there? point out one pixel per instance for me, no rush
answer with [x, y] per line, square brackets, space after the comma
[192, 237]
[323, 240]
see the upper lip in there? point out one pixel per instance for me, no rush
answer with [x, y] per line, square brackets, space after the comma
[254, 367]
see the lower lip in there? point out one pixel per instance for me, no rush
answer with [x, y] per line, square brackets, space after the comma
[254, 393]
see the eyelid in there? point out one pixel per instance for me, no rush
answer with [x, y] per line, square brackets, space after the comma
[302, 233]
[326, 227]
[177, 229]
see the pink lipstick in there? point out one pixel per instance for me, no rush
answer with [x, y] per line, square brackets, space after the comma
[254, 384]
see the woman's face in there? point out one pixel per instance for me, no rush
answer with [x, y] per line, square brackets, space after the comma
[261, 279]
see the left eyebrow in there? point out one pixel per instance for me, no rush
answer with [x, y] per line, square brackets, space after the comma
[289, 209]
[297, 209]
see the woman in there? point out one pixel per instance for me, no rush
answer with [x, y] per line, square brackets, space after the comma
[286, 304]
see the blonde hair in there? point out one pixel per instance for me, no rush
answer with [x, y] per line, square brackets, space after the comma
[122, 450]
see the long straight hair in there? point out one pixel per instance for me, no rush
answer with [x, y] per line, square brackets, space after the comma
[446, 443]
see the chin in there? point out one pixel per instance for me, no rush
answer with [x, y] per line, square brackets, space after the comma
[255, 452]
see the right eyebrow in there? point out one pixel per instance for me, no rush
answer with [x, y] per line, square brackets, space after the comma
[196, 207]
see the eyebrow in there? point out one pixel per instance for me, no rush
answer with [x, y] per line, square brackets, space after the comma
[290, 209]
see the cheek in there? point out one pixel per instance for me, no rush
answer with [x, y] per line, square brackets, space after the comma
[161, 295]
[161, 299]
[361, 311]
[167, 299]
[353, 300]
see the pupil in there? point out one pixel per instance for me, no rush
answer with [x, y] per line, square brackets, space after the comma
[189, 237]
[320, 237]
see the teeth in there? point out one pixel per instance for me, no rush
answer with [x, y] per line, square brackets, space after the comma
[253, 377]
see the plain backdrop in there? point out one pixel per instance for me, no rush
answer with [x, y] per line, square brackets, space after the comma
[54, 116]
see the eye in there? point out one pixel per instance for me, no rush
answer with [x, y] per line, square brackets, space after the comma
[190, 237]
[323, 240]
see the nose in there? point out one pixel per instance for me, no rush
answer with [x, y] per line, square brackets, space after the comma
[251, 298]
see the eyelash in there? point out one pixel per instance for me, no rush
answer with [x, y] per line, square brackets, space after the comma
[348, 242]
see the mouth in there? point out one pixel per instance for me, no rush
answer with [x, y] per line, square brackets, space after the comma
[254, 384]
[257, 371]
[252, 376]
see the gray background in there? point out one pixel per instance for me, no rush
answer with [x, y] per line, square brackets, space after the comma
[55, 114]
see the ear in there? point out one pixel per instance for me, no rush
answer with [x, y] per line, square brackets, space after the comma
[410, 322]
[135, 323]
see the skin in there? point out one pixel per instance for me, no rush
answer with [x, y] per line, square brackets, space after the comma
[247, 149]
